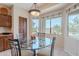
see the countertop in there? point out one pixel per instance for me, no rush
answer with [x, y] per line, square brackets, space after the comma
[6, 34]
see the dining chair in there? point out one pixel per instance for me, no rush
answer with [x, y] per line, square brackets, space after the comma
[52, 46]
[48, 51]
[16, 49]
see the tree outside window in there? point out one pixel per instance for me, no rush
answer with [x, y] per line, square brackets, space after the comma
[73, 25]
[35, 26]
[53, 25]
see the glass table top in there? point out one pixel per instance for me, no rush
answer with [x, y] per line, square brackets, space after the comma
[39, 43]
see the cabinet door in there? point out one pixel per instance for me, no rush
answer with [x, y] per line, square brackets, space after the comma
[5, 20]
[4, 10]
[9, 21]
[1, 44]
[1, 21]
[6, 43]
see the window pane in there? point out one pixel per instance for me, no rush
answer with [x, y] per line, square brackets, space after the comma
[73, 25]
[47, 26]
[56, 25]
[35, 26]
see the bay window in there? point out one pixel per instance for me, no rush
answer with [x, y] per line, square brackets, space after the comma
[53, 25]
[73, 24]
[35, 26]
[56, 25]
[47, 26]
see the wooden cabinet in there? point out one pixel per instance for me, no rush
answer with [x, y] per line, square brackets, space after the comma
[4, 42]
[1, 44]
[4, 10]
[5, 20]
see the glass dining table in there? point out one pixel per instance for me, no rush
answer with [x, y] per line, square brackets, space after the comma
[38, 43]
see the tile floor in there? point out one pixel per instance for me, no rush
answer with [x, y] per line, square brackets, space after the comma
[57, 52]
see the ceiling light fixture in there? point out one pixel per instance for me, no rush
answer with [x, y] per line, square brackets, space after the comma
[35, 10]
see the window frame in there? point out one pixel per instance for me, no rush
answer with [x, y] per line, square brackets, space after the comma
[71, 13]
[49, 26]
[51, 23]
[60, 25]
[38, 24]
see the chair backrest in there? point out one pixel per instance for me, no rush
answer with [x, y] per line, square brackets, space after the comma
[15, 47]
[52, 46]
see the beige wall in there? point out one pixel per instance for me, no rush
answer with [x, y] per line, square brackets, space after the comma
[17, 11]
[5, 29]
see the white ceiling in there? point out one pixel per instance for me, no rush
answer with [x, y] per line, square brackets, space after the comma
[44, 7]
[28, 6]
